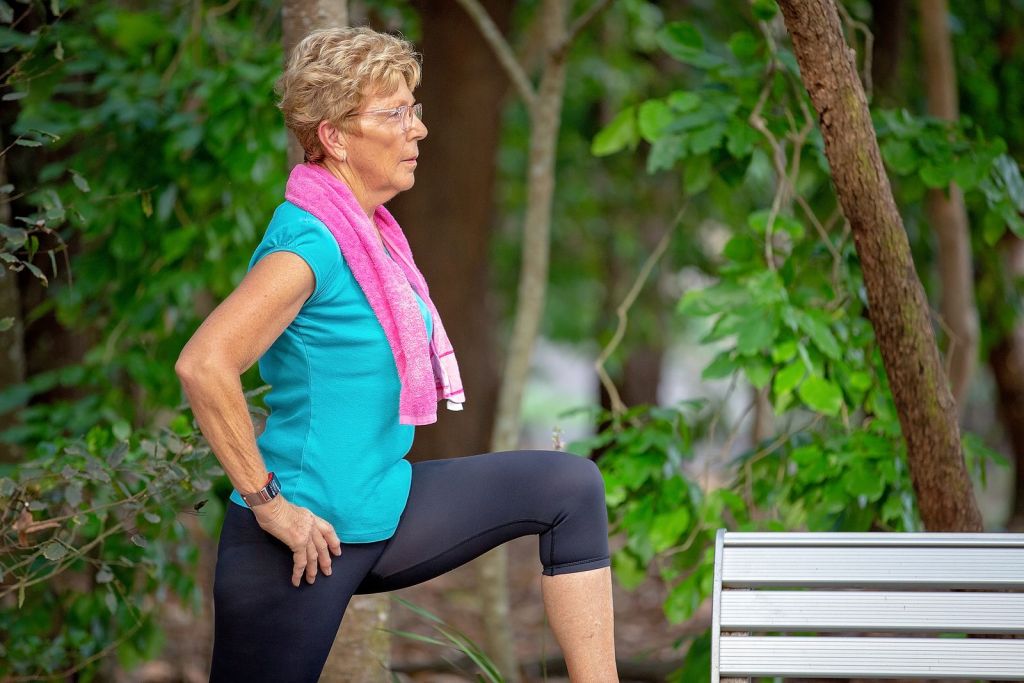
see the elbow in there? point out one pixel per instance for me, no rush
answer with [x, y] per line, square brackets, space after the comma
[195, 368]
[192, 367]
[186, 368]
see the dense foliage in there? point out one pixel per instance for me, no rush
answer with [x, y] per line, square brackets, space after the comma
[785, 313]
[156, 152]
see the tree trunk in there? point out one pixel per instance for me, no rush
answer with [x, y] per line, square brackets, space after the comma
[896, 302]
[449, 215]
[1006, 359]
[361, 646]
[889, 25]
[448, 218]
[545, 106]
[947, 213]
[299, 18]
[545, 120]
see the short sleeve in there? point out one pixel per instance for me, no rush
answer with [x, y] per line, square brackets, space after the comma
[309, 239]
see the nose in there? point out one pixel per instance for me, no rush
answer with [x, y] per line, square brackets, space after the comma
[418, 129]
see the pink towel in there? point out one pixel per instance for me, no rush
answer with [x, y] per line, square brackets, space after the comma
[426, 368]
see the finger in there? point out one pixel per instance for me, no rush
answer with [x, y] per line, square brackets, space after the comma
[311, 563]
[299, 557]
[333, 542]
[323, 556]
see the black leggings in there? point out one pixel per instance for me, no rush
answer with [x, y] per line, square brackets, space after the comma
[266, 629]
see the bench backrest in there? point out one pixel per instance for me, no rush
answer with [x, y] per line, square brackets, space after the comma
[915, 588]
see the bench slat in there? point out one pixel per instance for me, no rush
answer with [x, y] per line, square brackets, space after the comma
[1001, 660]
[873, 567]
[833, 539]
[743, 610]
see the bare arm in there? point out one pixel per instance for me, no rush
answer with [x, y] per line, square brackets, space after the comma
[228, 342]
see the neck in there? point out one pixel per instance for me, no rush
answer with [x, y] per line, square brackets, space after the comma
[342, 173]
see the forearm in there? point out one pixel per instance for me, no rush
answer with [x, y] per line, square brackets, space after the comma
[219, 406]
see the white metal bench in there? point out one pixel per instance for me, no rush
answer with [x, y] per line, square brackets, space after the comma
[909, 585]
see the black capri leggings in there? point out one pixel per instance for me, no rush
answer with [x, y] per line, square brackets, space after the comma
[266, 629]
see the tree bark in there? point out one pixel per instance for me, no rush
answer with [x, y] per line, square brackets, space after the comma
[448, 218]
[544, 104]
[299, 18]
[361, 647]
[1006, 359]
[889, 24]
[449, 215]
[946, 212]
[896, 301]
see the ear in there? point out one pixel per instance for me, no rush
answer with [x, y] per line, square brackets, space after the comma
[333, 141]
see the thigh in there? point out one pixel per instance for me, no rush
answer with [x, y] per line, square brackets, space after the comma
[266, 629]
[460, 508]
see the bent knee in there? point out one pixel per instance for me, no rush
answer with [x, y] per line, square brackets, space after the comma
[579, 479]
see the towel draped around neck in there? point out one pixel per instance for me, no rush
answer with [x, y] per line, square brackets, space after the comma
[427, 368]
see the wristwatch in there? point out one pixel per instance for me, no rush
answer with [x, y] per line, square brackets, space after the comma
[265, 494]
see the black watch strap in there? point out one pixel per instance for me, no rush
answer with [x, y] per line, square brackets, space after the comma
[265, 494]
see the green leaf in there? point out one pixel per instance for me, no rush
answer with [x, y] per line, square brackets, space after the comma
[783, 352]
[6, 13]
[104, 575]
[703, 140]
[664, 153]
[653, 118]
[11, 96]
[900, 156]
[121, 430]
[697, 174]
[54, 551]
[620, 133]
[740, 138]
[758, 372]
[37, 273]
[684, 101]
[683, 41]
[741, 249]
[816, 327]
[756, 333]
[744, 45]
[28, 143]
[111, 601]
[788, 378]
[821, 395]
[6, 323]
[936, 175]
[863, 482]
[79, 181]
[669, 528]
[722, 366]
[765, 10]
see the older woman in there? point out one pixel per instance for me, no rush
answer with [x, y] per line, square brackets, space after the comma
[345, 332]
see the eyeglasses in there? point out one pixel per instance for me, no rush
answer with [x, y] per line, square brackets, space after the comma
[399, 115]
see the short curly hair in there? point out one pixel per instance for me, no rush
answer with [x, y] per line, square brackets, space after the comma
[332, 71]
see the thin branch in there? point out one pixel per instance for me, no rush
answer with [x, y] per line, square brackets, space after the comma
[579, 25]
[502, 50]
[622, 312]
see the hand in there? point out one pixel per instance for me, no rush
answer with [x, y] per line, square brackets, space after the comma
[310, 538]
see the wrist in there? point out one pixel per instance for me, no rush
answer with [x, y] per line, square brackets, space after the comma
[271, 510]
[270, 490]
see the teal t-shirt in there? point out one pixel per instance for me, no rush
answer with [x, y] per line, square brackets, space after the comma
[333, 435]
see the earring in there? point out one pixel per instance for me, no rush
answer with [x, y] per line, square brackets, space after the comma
[343, 158]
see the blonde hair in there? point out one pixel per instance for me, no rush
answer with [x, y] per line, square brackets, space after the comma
[332, 71]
